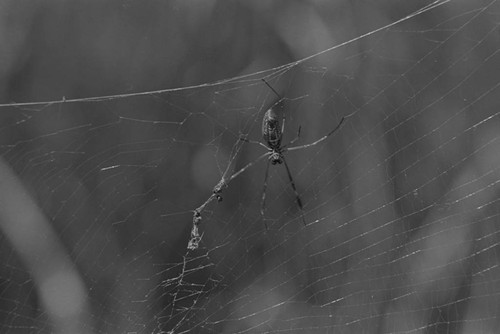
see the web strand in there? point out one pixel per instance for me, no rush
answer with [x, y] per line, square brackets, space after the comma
[163, 201]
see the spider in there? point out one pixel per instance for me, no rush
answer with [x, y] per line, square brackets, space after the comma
[272, 135]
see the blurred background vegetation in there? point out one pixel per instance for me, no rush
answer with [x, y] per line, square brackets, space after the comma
[96, 197]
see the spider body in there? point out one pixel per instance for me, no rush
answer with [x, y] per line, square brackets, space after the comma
[271, 131]
[272, 134]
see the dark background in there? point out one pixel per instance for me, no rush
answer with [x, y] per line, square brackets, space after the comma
[96, 195]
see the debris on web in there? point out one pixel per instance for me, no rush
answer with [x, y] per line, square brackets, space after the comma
[219, 188]
[195, 237]
[194, 240]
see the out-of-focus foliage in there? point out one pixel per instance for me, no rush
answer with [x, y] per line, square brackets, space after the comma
[111, 227]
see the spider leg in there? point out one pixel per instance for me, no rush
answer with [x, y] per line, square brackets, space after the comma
[297, 197]
[294, 140]
[263, 201]
[252, 142]
[271, 87]
[283, 124]
[250, 164]
[319, 140]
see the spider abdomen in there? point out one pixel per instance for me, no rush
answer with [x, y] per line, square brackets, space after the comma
[271, 131]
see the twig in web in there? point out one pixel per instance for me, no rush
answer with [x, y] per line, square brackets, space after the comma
[217, 191]
[194, 240]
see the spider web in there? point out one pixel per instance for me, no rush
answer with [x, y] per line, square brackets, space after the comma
[105, 184]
